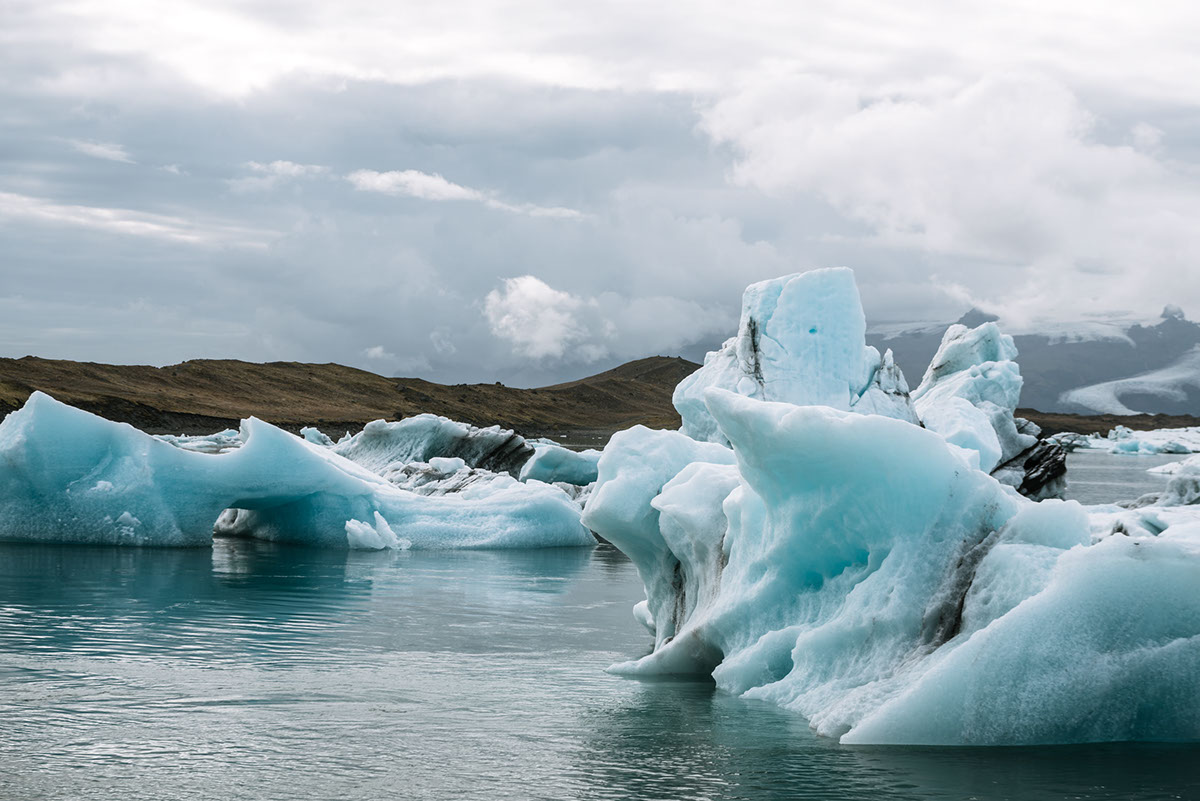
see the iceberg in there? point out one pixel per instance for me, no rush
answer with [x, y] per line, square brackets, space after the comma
[220, 442]
[801, 339]
[890, 566]
[862, 572]
[1124, 440]
[70, 476]
[426, 436]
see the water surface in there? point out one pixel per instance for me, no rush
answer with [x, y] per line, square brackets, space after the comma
[267, 672]
[1101, 477]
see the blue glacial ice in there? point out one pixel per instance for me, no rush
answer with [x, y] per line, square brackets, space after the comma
[70, 476]
[553, 463]
[802, 340]
[862, 572]
[886, 579]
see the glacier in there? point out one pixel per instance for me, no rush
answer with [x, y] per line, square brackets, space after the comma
[70, 476]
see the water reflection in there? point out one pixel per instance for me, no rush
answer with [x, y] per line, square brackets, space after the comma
[266, 671]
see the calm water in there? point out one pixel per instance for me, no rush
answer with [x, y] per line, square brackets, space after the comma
[266, 672]
[1100, 477]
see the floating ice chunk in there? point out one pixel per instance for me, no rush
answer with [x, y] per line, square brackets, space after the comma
[220, 442]
[633, 469]
[426, 436]
[975, 367]
[801, 339]
[283, 487]
[553, 463]
[1190, 466]
[378, 537]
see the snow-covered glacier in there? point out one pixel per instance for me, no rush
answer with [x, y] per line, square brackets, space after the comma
[69, 476]
[886, 579]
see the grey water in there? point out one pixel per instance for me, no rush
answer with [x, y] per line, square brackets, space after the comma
[259, 671]
[1095, 477]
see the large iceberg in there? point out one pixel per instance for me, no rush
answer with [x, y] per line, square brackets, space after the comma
[70, 476]
[884, 566]
[864, 573]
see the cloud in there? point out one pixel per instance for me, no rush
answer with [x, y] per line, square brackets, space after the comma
[1007, 170]
[540, 322]
[269, 175]
[101, 150]
[378, 353]
[128, 222]
[537, 319]
[431, 186]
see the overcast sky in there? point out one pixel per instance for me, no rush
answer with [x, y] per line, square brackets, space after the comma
[533, 191]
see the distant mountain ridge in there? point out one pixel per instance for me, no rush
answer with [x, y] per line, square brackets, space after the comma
[1153, 369]
[204, 395]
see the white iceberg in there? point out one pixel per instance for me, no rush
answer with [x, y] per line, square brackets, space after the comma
[70, 476]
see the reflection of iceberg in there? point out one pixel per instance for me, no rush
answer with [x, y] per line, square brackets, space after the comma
[74, 477]
[870, 574]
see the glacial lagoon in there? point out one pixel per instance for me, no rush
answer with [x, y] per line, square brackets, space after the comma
[255, 670]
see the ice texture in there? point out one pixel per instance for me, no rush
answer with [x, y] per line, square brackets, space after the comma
[553, 463]
[70, 476]
[220, 442]
[863, 572]
[975, 368]
[801, 339]
[426, 436]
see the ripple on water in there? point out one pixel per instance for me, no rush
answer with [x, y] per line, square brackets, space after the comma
[253, 670]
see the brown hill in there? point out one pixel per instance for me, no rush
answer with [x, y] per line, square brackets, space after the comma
[205, 395]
